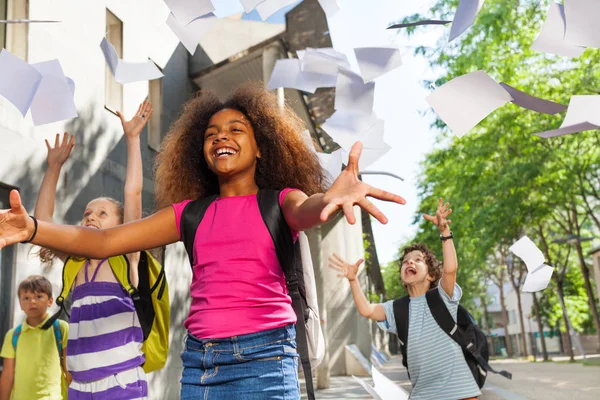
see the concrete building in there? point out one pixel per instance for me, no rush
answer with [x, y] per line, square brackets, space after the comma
[97, 165]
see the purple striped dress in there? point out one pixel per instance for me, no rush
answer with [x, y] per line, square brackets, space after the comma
[104, 351]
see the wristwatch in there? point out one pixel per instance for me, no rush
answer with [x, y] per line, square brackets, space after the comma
[444, 238]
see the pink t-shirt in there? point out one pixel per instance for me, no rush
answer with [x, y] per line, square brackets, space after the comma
[238, 286]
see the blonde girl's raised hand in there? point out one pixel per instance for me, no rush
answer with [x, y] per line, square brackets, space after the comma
[61, 151]
[134, 127]
[346, 269]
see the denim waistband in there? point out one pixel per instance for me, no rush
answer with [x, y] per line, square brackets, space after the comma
[239, 343]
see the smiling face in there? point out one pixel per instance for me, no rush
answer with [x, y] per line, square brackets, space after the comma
[414, 270]
[101, 213]
[34, 304]
[230, 147]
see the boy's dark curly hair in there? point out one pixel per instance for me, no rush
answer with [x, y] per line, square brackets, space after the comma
[287, 161]
[434, 267]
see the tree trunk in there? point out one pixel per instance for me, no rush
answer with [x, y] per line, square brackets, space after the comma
[507, 343]
[538, 317]
[561, 298]
[372, 264]
[588, 287]
[522, 323]
[486, 317]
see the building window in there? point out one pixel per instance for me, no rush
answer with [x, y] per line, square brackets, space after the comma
[6, 274]
[113, 95]
[13, 37]
[154, 125]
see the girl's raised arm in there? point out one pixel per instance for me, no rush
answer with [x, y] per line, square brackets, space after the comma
[134, 180]
[57, 155]
[157, 230]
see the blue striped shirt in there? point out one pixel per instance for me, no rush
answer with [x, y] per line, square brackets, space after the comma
[436, 363]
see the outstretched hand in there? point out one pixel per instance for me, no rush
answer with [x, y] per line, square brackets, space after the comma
[135, 125]
[61, 151]
[440, 219]
[15, 224]
[347, 270]
[348, 190]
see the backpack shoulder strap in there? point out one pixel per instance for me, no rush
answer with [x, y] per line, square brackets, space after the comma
[191, 216]
[69, 273]
[446, 322]
[121, 267]
[401, 309]
[15, 336]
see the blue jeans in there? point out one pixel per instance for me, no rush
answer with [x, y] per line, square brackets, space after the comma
[257, 366]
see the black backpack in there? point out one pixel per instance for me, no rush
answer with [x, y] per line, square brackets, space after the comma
[288, 254]
[464, 332]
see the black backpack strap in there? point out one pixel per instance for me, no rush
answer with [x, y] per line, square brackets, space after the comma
[401, 307]
[272, 214]
[192, 215]
[444, 319]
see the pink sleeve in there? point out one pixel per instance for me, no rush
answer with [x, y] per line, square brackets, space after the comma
[282, 195]
[178, 208]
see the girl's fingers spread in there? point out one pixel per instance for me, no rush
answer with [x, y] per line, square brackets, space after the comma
[359, 262]
[47, 144]
[335, 267]
[57, 140]
[349, 213]
[374, 211]
[428, 217]
[385, 196]
[355, 153]
[140, 109]
[328, 211]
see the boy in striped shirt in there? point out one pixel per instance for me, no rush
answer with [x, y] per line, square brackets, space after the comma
[436, 364]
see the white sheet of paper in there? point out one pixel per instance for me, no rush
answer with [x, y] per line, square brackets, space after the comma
[189, 35]
[287, 74]
[582, 108]
[368, 388]
[527, 251]
[331, 163]
[374, 62]
[53, 100]
[464, 101]
[323, 61]
[465, 17]
[583, 22]
[386, 388]
[19, 81]
[186, 11]
[567, 130]
[250, 5]
[331, 7]
[538, 279]
[368, 156]
[352, 94]
[270, 7]
[346, 128]
[551, 38]
[127, 72]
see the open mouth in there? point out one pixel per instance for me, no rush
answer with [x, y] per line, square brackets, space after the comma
[225, 152]
[91, 226]
[410, 271]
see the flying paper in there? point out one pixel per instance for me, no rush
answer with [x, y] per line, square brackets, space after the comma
[538, 273]
[323, 61]
[250, 5]
[384, 388]
[331, 7]
[19, 81]
[352, 94]
[582, 115]
[127, 72]
[347, 128]
[270, 7]
[186, 11]
[532, 103]
[551, 38]
[368, 155]
[189, 35]
[374, 62]
[53, 100]
[418, 23]
[25, 21]
[464, 101]
[287, 74]
[331, 163]
[582, 17]
[465, 17]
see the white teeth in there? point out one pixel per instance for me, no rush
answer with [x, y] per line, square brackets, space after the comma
[224, 151]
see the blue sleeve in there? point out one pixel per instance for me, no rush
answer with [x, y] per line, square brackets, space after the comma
[451, 302]
[389, 325]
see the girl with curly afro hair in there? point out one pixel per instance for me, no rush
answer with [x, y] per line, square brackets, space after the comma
[241, 336]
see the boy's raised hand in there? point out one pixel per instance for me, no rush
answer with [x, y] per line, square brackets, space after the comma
[61, 151]
[135, 125]
[440, 219]
[347, 270]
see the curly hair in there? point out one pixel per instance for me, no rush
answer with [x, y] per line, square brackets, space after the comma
[287, 161]
[434, 267]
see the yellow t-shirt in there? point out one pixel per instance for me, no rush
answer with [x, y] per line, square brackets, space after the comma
[38, 373]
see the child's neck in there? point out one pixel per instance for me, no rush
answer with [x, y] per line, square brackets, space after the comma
[237, 187]
[33, 321]
[418, 289]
